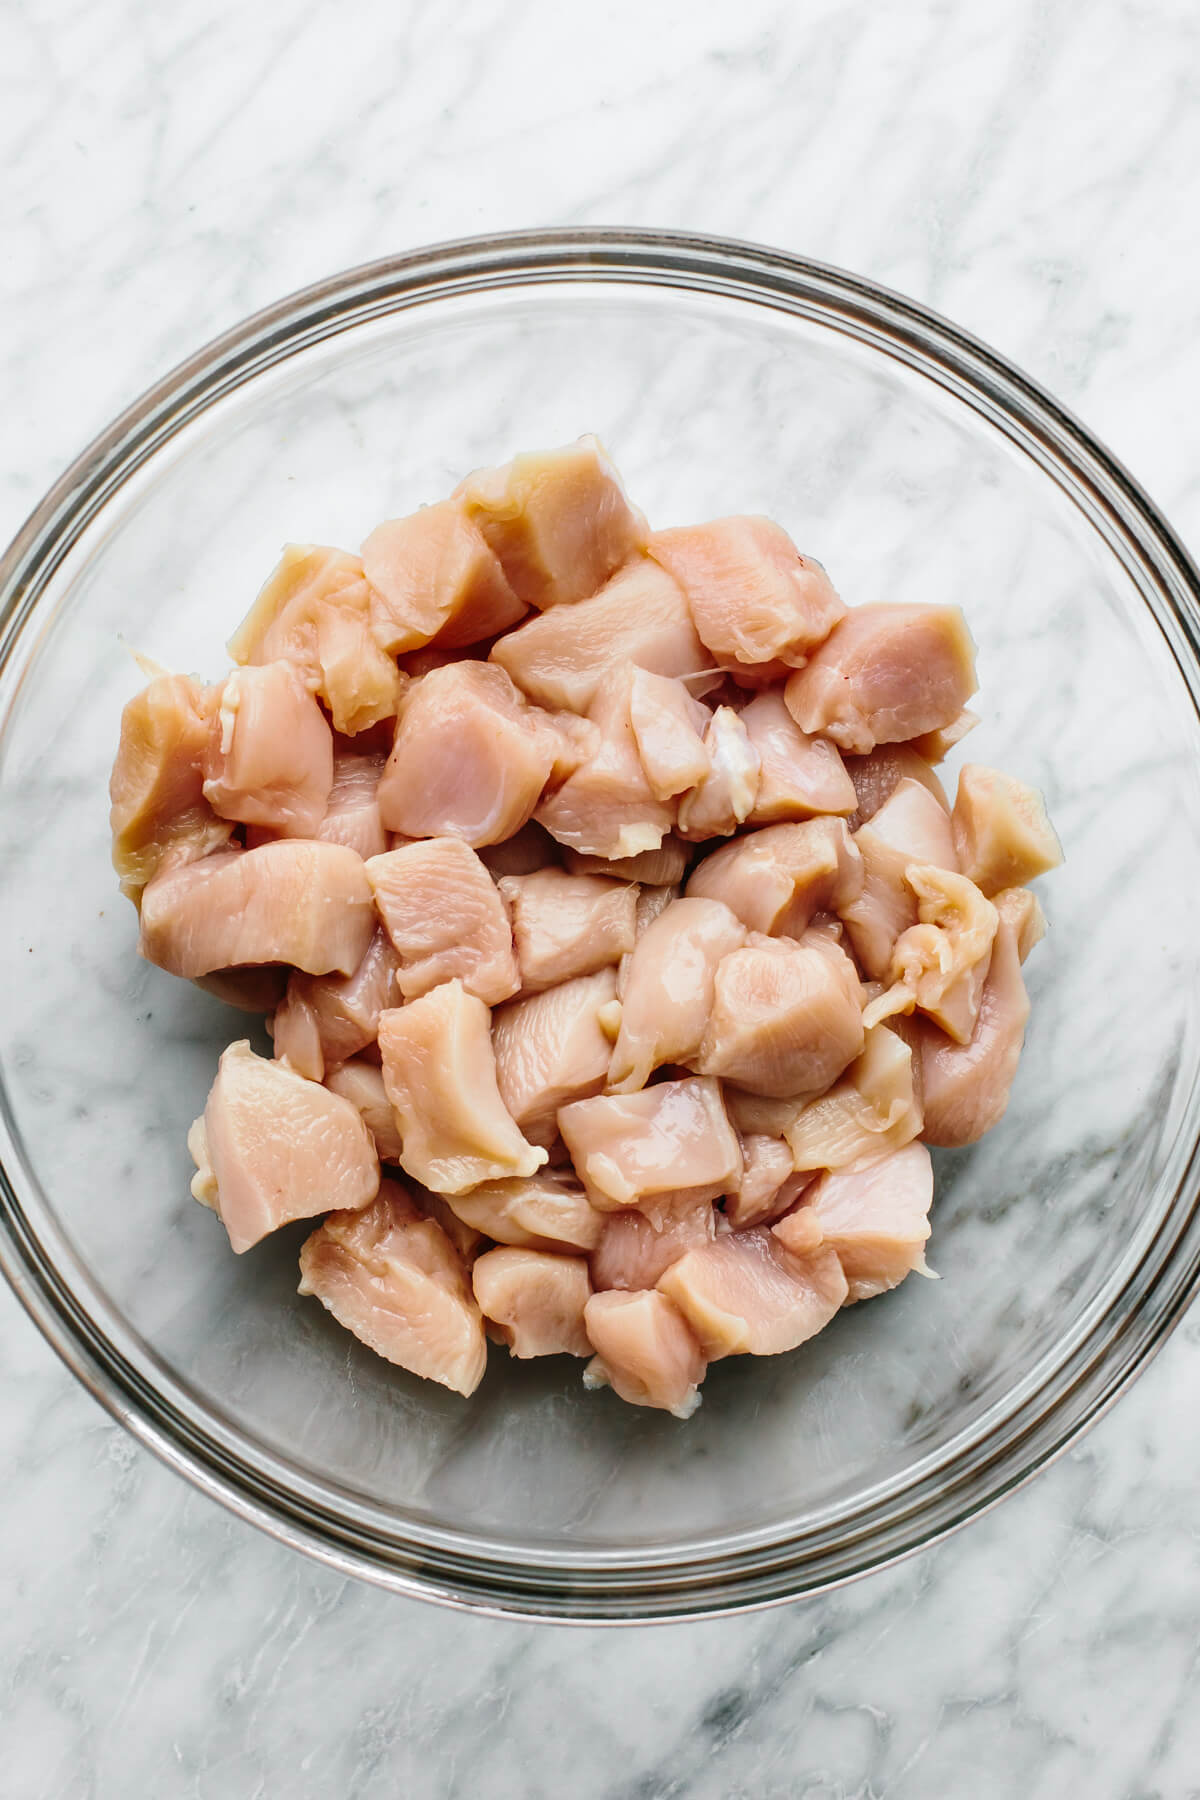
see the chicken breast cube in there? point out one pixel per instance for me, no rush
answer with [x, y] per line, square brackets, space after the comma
[644, 1352]
[965, 1087]
[640, 616]
[668, 988]
[653, 868]
[726, 795]
[1022, 908]
[434, 580]
[875, 1216]
[769, 1184]
[159, 812]
[393, 1278]
[753, 596]
[440, 1075]
[940, 963]
[559, 520]
[873, 1109]
[271, 1147]
[778, 878]
[606, 808]
[442, 912]
[786, 1017]
[471, 757]
[745, 1294]
[567, 925]
[633, 1252]
[307, 904]
[799, 776]
[361, 1083]
[352, 809]
[657, 1150]
[545, 1211]
[1001, 831]
[551, 1048]
[884, 674]
[269, 759]
[340, 1011]
[315, 613]
[910, 827]
[534, 1300]
[877, 776]
[668, 726]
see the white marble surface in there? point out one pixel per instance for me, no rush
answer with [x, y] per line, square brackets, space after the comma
[1032, 170]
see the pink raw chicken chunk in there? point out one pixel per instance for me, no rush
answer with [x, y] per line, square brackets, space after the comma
[885, 673]
[545, 1211]
[632, 1253]
[550, 1049]
[526, 852]
[745, 1293]
[442, 912]
[644, 1352]
[1001, 830]
[877, 776]
[873, 1109]
[329, 1018]
[271, 1147]
[875, 1216]
[668, 726]
[361, 1083]
[567, 925]
[534, 1300]
[656, 1149]
[298, 902]
[606, 808]
[159, 812]
[653, 868]
[726, 795]
[270, 752]
[786, 1017]
[668, 989]
[352, 810]
[799, 776]
[392, 1277]
[910, 827]
[777, 878]
[434, 580]
[769, 1183]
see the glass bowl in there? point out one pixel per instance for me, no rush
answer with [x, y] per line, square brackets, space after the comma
[917, 465]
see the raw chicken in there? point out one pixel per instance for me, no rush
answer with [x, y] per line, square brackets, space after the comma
[935, 746]
[744, 1293]
[269, 759]
[910, 827]
[640, 616]
[654, 868]
[875, 1216]
[786, 1017]
[271, 1147]
[753, 596]
[651, 903]
[534, 1300]
[656, 1149]
[469, 1243]
[877, 776]
[939, 965]
[352, 810]
[1021, 907]
[550, 1049]
[308, 904]
[471, 757]
[668, 987]
[668, 727]
[1001, 831]
[361, 1083]
[769, 1183]
[874, 1108]
[315, 613]
[440, 1075]
[159, 814]
[559, 520]
[884, 674]
[546, 1211]
[644, 1352]
[726, 795]
[260, 990]
[965, 1087]
[566, 925]
[446, 919]
[799, 776]
[329, 1018]
[632, 1252]
[435, 581]
[778, 878]
[393, 1278]
[524, 853]
[606, 808]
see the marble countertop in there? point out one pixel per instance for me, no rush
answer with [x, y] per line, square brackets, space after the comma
[1032, 171]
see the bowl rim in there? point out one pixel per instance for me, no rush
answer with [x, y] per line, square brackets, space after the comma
[715, 1575]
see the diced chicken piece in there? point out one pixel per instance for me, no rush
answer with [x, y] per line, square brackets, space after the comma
[315, 613]
[786, 1017]
[329, 1018]
[877, 776]
[297, 902]
[778, 878]
[726, 795]
[668, 726]
[270, 751]
[362, 1084]
[644, 1351]
[873, 1109]
[297, 1037]
[653, 868]
[884, 674]
[640, 616]
[744, 1293]
[668, 989]
[910, 827]
[753, 596]
[769, 1184]
[939, 964]
[758, 1115]
[352, 810]
[393, 1278]
[652, 902]
[546, 1211]
[534, 1300]
[550, 1049]
[606, 808]
[524, 853]
[1001, 830]
[434, 580]
[471, 757]
[1022, 908]
[271, 1147]
[159, 813]
[469, 1243]
[256, 990]
[559, 520]
[657, 1150]
[966, 1086]
[632, 1252]
[935, 746]
[799, 776]
[875, 1216]
[440, 1075]
[567, 925]
[446, 919]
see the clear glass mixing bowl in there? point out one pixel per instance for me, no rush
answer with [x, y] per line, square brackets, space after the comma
[917, 465]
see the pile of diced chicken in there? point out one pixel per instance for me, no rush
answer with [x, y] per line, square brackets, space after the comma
[599, 885]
